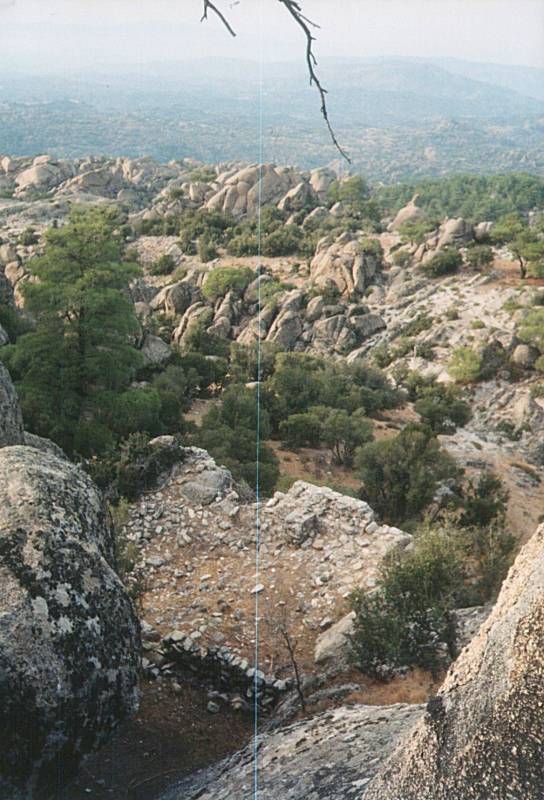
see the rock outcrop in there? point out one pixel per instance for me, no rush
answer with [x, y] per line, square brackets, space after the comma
[242, 192]
[482, 735]
[410, 213]
[69, 639]
[330, 757]
[345, 264]
[11, 420]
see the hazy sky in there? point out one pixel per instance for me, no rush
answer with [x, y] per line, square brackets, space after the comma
[65, 34]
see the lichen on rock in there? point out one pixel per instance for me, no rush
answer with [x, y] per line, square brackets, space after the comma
[69, 638]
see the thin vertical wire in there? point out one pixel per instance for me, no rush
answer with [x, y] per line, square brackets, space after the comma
[258, 425]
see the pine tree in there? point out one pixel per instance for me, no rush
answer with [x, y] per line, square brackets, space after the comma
[80, 351]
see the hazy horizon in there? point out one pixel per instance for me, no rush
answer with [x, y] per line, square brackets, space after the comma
[71, 35]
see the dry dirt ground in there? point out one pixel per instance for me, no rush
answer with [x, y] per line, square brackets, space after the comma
[172, 735]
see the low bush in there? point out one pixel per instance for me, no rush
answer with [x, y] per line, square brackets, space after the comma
[221, 280]
[401, 475]
[465, 365]
[445, 262]
[479, 256]
[407, 621]
[163, 266]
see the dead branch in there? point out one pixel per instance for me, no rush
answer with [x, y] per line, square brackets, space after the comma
[295, 9]
[291, 647]
[209, 6]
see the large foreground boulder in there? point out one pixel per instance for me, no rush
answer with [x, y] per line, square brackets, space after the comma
[11, 420]
[482, 736]
[69, 639]
[332, 756]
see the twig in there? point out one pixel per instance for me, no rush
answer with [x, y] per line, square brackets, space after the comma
[295, 9]
[291, 649]
[208, 5]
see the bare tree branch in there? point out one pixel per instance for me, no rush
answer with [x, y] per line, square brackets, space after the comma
[291, 647]
[305, 24]
[295, 10]
[209, 6]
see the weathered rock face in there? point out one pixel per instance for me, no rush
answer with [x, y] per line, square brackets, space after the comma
[155, 351]
[203, 481]
[11, 420]
[482, 736]
[343, 263]
[240, 193]
[330, 757]
[69, 639]
[44, 174]
[410, 213]
[332, 646]
[174, 299]
[455, 232]
[321, 180]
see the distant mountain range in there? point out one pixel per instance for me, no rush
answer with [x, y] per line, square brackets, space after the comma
[442, 106]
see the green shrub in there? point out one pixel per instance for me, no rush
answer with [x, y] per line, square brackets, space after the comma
[531, 328]
[202, 175]
[441, 408]
[229, 433]
[163, 265]
[330, 293]
[283, 242]
[193, 225]
[401, 475]
[344, 432]
[539, 364]
[508, 428]
[247, 363]
[421, 323]
[417, 231]
[382, 355]
[479, 256]
[135, 467]
[301, 430]
[484, 501]
[491, 550]
[243, 244]
[445, 262]
[200, 340]
[301, 381]
[206, 249]
[465, 365]
[221, 280]
[371, 247]
[407, 620]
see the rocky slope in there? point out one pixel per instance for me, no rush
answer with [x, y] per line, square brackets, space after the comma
[480, 738]
[332, 756]
[195, 535]
[196, 540]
